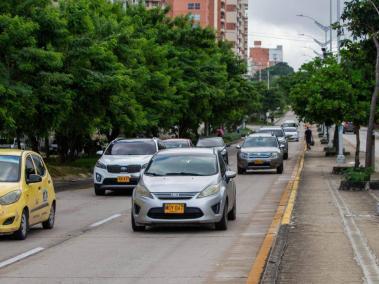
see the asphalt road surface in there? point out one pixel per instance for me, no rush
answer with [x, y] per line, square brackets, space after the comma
[93, 241]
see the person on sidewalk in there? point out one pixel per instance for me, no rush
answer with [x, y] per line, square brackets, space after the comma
[308, 137]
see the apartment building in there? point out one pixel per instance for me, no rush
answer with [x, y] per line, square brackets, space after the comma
[261, 58]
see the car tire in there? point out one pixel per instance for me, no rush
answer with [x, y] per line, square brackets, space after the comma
[49, 223]
[135, 227]
[22, 232]
[241, 171]
[232, 215]
[222, 225]
[99, 191]
[285, 156]
[279, 170]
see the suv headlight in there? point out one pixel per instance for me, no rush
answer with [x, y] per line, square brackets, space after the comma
[143, 191]
[210, 190]
[100, 165]
[244, 155]
[275, 155]
[10, 197]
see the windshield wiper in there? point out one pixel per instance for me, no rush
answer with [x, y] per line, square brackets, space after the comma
[183, 174]
[154, 174]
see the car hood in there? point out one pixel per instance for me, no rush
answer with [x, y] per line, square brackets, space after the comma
[260, 150]
[125, 160]
[178, 183]
[6, 187]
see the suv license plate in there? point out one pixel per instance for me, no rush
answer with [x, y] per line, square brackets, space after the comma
[123, 179]
[174, 208]
[259, 162]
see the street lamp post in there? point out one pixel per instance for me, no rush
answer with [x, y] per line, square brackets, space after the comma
[325, 29]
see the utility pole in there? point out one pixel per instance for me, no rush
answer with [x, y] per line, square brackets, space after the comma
[330, 27]
[268, 79]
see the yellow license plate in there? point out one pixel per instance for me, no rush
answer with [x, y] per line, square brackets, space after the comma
[123, 179]
[174, 208]
[259, 162]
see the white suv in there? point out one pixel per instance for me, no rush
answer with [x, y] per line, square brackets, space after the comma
[121, 163]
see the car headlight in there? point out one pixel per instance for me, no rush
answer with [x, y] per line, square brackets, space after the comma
[143, 191]
[10, 197]
[210, 190]
[244, 155]
[275, 155]
[100, 165]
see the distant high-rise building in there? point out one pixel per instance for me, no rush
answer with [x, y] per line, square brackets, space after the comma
[261, 58]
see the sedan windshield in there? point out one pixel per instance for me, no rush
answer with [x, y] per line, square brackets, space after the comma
[290, 129]
[211, 142]
[183, 165]
[9, 168]
[176, 144]
[276, 132]
[131, 148]
[260, 142]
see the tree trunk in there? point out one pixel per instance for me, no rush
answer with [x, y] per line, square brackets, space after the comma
[370, 129]
[47, 146]
[335, 139]
[358, 145]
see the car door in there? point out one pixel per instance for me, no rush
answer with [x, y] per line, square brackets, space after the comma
[32, 190]
[45, 189]
[229, 183]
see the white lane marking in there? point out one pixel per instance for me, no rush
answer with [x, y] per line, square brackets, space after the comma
[373, 195]
[20, 256]
[365, 256]
[105, 220]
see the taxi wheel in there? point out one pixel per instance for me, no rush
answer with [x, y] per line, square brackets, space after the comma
[49, 223]
[135, 227]
[222, 225]
[241, 171]
[280, 169]
[285, 156]
[99, 191]
[22, 232]
[233, 214]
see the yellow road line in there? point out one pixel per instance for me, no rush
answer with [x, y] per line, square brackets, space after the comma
[284, 209]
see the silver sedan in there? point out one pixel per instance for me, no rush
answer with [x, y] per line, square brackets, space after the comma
[185, 186]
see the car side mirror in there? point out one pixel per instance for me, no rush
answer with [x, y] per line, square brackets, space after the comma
[282, 147]
[228, 145]
[238, 147]
[100, 153]
[33, 178]
[230, 174]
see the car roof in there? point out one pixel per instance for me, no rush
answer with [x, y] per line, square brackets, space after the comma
[134, 139]
[11, 152]
[271, 128]
[210, 138]
[261, 135]
[176, 139]
[289, 127]
[178, 151]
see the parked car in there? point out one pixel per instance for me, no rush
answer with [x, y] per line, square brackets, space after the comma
[292, 134]
[217, 143]
[177, 143]
[27, 195]
[260, 151]
[185, 186]
[120, 165]
[290, 123]
[348, 126]
[279, 133]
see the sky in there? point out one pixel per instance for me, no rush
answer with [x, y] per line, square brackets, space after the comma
[274, 22]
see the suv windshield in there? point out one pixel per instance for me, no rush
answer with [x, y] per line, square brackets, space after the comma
[290, 129]
[276, 132]
[9, 168]
[260, 142]
[176, 144]
[131, 148]
[183, 165]
[210, 142]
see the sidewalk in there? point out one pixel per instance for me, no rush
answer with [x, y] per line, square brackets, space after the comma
[333, 237]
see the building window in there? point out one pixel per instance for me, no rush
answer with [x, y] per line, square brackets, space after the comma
[195, 17]
[193, 6]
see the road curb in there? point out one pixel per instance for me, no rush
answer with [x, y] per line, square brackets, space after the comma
[266, 265]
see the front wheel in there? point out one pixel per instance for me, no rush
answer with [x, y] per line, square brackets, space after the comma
[285, 156]
[233, 214]
[135, 227]
[99, 191]
[49, 223]
[222, 225]
[279, 170]
[241, 171]
[22, 232]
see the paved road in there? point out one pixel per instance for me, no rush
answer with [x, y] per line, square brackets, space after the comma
[93, 241]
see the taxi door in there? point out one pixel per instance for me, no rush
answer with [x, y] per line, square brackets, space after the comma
[32, 190]
[45, 189]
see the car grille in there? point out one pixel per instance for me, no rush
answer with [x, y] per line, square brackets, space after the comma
[189, 213]
[259, 155]
[123, 169]
[174, 195]
[113, 181]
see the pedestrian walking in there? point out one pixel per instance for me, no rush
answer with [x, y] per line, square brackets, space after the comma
[308, 137]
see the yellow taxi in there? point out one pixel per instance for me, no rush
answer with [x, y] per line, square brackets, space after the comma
[27, 195]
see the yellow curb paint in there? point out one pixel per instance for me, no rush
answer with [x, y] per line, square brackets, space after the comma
[283, 214]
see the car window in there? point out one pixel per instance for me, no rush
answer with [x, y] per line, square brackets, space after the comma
[222, 164]
[176, 144]
[252, 142]
[290, 129]
[9, 168]
[132, 148]
[276, 132]
[40, 167]
[183, 165]
[29, 167]
[211, 142]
